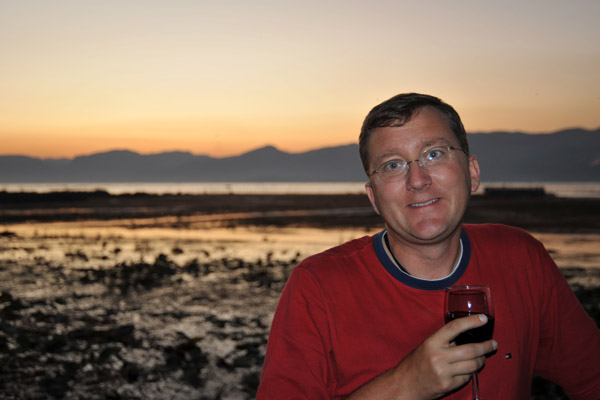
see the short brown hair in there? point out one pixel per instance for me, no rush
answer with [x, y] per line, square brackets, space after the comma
[398, 110]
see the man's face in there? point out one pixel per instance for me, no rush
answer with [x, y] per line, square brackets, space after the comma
[424, 206]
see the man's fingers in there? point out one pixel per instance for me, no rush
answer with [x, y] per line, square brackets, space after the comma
[467, 367]
[468, 351]
[472, 351]
[454, 328]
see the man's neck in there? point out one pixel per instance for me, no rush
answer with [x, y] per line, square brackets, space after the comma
[427, 261]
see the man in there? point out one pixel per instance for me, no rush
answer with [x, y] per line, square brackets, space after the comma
[364, 320]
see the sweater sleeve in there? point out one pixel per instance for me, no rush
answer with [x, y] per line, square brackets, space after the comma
[298, 362]
[569, 348]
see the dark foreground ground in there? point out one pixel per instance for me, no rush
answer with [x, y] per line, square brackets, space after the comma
[149, 331]
[183, 330]
[534, 212]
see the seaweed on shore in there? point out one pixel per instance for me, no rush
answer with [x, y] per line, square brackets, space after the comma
[117, 333]
[154, 330]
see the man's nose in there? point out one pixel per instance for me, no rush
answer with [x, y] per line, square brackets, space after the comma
[417, 177]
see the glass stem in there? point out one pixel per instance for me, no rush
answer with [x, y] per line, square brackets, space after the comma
[476, 395]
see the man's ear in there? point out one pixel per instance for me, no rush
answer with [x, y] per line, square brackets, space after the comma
[371, 196]
[474, 171]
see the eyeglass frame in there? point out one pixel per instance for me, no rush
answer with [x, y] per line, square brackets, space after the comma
[406, 167]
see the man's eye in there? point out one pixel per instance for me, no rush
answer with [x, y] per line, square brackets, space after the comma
[435, 154]
[393, 166]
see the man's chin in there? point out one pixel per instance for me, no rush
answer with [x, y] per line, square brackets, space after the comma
[429, 234]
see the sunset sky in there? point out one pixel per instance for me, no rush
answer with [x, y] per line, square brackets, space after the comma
[227, 76]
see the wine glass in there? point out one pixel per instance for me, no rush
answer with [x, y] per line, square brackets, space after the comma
[462, 301]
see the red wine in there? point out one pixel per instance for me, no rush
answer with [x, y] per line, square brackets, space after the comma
[475, 335]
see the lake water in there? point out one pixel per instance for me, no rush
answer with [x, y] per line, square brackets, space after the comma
[560, 189]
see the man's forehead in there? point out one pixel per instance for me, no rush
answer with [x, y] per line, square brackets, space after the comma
[404, 152]
[402, 138]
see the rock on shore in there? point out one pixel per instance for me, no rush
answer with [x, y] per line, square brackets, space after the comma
[138, 331]
[148, 330]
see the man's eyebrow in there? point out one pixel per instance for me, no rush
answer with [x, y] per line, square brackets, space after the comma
[423, 146]
[435, 142]
[395, 153]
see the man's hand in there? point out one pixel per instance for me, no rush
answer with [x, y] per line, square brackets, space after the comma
[436, 367]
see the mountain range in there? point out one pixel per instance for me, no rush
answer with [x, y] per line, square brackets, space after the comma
[567, 155]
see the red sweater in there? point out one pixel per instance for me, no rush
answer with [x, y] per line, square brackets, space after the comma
[348, 314]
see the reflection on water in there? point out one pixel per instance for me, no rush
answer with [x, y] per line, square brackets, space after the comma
[214, 315]
[224, 308]
[101, 244]
[575, 251]
[106, 243]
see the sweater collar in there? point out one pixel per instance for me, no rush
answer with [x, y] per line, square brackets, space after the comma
[394, 268]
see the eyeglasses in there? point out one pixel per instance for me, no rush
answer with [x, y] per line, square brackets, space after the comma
[429, 159]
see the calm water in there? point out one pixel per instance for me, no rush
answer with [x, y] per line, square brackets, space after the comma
[561, 189]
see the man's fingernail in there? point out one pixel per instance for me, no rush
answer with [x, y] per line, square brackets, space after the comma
[494, 344]
[483, 317]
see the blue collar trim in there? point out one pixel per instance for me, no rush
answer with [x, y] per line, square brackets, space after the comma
[440, 284]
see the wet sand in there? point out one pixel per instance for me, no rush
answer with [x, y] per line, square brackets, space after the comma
[171, 297]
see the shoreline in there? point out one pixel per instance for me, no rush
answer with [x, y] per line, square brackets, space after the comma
[534, 213]
[152, 329]
[161, 296]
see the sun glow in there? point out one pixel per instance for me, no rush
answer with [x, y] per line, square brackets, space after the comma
[222, 79]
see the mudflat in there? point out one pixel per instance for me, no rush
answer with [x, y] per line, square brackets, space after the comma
[171, 296]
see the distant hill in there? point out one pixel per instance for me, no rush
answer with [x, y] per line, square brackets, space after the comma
[569, 155]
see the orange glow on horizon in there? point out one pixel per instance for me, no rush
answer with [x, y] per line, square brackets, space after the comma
[217, 139]
[222, 137]
[224, 78]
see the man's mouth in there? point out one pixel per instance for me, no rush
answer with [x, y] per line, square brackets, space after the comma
[424, 204]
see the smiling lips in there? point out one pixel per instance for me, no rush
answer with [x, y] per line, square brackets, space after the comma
[423, 204]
